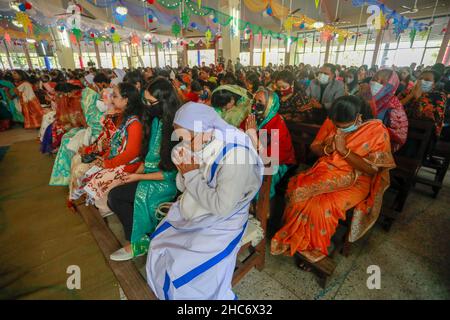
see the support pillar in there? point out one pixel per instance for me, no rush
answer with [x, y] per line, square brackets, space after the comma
[232, 44]
[377, 47]
[442, 56]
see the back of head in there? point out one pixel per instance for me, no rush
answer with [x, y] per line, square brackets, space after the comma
[347, 108]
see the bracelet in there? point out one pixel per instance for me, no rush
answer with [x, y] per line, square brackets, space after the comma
[348, 153]
[325, 150]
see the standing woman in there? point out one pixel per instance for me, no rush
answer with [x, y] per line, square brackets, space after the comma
[135, 202]
[31, 107]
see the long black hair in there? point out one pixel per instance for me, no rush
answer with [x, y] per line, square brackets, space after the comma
[347, 108]
[135, 107]
[221, 98]
[169, 103]
[23, 75]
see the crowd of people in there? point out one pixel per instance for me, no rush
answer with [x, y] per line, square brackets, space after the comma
[131, 140]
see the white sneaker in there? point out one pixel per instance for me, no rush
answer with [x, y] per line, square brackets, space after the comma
[121, 255]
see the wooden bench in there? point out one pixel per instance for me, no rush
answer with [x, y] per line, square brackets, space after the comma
[438, 160]
[408, 160]
[127, 274]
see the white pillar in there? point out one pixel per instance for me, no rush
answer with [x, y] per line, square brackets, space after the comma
[64, 52]
[231, 44]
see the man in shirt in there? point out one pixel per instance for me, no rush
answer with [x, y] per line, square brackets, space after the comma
[325, 88]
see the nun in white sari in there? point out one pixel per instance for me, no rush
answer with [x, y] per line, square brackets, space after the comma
[193, 251]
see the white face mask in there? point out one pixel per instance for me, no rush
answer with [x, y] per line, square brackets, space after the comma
[375, 87]
[349, 80]
[323, 78]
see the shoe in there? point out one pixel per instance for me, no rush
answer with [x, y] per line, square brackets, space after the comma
[121, 255]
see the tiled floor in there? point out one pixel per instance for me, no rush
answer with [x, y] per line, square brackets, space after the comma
[414, 257]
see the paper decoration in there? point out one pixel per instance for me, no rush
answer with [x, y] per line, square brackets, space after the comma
[7, 38]
[185, 18]
[412, 36]
[25, 21]
[77, 33]
[317, 3]
[288, 23]
[115, 38]
[135, 39]
[176, 29]
[73, 38]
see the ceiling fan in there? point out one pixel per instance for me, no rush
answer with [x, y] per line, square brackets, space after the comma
[414, 9]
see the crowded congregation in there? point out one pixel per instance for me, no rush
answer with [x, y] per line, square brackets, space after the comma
[224, 150]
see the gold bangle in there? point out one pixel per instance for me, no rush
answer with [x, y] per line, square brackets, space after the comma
[348, 153]
[325, 150]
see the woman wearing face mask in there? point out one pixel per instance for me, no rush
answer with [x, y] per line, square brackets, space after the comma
[93, 110]
[276, 140]
[193, 251]
[135, 202]
[423, 101]
[388, 108]
[124, 155]
[405, 76]
[352, 172]
[295, 103]
[351, 82]
[233, 103]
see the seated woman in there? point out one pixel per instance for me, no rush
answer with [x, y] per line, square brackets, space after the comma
[135, 202]
[386, 106]
[125, 151]
[295, 103]
[193, 251]
[351, 82]
[86, 156]
[93, 110]
[277, 143]
[406, 84]
[233, 103]
[423, 101]
[352, 172]
[31, 107]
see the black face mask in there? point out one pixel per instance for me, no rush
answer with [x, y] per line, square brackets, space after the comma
[154, 110]
[258, 110]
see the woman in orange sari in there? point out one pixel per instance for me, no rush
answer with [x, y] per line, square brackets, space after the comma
[31, 107]
[352, 172]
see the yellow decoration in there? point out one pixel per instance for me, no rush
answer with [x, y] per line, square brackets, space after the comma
[317, 3]
[282, 12]
[341, 39]
[288, 24]
[25, 21]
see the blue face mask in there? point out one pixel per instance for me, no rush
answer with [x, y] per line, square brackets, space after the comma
[427, 86]
[183, 87]
[352, 128]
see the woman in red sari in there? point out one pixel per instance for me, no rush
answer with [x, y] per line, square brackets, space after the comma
[31, 107]
[352, 172]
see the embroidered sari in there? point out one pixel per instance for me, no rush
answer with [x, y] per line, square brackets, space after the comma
[241, 110]
[61, 168]
[31, 107]
[319, 197]
[98, 184]
[150, 194]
